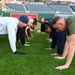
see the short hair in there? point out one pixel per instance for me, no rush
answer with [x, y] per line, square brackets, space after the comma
[44, 26]
[40, 19]
[55, 19]
[35, 21]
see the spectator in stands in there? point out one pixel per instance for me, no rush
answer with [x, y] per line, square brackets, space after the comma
[58, 38]
[68, 25]
[8, 25]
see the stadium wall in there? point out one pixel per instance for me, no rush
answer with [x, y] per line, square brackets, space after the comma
[4, 14]
[47, 16]
[19, 14]
[63, 15]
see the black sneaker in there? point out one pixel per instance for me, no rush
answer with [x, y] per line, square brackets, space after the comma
[20, 53]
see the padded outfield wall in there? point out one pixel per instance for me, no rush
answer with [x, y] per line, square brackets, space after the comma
[63, 15]
[45, 15]
[19, 14]
[48, 16]
[35, 15]
[4, 14]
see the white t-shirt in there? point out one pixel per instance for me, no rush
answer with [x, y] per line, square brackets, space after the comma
[8, 25]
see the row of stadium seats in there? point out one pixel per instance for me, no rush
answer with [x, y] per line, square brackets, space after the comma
[38, 8]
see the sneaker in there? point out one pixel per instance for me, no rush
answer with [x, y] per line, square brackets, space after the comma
[20, 53]
[26, 45]
[32, 36]
[29, 38]
[49, 49]
[54, 54]
[26, 42]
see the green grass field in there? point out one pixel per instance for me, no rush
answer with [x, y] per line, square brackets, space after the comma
[36, 61]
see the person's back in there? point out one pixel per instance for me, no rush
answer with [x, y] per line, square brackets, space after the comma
[7, 22]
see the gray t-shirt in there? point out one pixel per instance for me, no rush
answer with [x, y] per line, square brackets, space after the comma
[71, 25]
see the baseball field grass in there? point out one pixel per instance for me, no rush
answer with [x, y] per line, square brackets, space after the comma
[36, 61]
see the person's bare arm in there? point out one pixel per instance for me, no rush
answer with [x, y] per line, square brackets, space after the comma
[65, 51]
[71, 50]
[26, 33]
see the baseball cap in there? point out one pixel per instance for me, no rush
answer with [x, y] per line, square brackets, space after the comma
[24, 19]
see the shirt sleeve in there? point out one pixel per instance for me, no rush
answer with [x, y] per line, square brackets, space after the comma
[71, 25]
[71, 28]
[11, 28]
